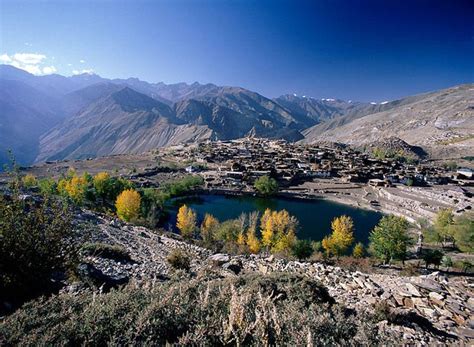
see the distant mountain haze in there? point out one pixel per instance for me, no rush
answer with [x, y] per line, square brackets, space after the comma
[55, 117]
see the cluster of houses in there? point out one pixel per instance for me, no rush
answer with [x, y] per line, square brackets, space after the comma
[240, 162]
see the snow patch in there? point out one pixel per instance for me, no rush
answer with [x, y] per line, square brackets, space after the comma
[384, 102]
[373, 103]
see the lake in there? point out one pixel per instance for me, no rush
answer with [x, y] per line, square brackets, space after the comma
[314, 216]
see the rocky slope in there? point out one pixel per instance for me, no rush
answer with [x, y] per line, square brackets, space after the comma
[124, 121]
[438, 309]
[441, 121]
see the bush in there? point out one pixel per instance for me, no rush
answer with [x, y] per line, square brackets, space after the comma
[29, 181]
[358, 251]
[47, 186]
[266, 186]
[179, 259]
[433, 257]
[302, 249]
[128, 205]
[35, 242]
[278, 309]
[104, 250]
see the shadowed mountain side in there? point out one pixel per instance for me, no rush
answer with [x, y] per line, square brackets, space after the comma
[122, 122]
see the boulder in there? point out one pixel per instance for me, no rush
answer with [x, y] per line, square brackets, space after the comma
[96, 278]
[234, 265]
[219, 259]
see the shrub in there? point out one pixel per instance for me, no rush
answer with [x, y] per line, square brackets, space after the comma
[29, 181]
[35, 242]
[278, 309]
[105, 250]
[302, 249]
[128, 205]
[432, 257]
[266, 185]
[358, 251]
[47, 186]
[447, 262]
[179, 259]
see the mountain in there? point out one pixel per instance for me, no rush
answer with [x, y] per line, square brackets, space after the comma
[25, 113]
[441, 122]
[122, 121]
[88, 115]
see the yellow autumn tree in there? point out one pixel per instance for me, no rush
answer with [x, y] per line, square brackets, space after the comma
[75, 188]
[208, 228]
[341, 238]
[29, 181]
[128, 205]
[358, 251]
[278, 230]
[186, 221]
[267, 228]
[253, 242]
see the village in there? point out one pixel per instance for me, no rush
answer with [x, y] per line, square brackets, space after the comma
[238, 163]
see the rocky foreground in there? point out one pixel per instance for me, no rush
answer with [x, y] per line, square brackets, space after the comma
[438, 309]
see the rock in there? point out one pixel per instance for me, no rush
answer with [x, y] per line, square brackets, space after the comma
[412, 289]
[96, 278]
[436, 298]
[234, 265]
[116, 223]
[219, 258]
[466, 333]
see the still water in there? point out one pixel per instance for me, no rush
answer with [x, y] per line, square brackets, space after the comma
[314, 216]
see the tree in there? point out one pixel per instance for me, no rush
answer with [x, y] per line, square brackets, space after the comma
[389, 240]
[443, 226]
[29, 181]
[76, 189]
[253, 242]
[302, 249]
[266, 185]
[186, 221]
[358, 251]
[342, 236]
[209, 227]
[128, 205]
[432, 257]
[102, 184]
[463, 232]
[447, 262]
[278, 230]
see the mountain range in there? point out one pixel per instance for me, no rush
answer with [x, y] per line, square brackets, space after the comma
[55, 117]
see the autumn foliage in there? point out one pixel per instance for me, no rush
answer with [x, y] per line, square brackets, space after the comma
[186, 221]
[278, 230]
[341, 238]
[128, 205]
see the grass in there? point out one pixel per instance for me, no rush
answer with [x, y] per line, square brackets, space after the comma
[278, 309]
[104, 250]
[456, 140]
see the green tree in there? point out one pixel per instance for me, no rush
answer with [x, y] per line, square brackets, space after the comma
[443, 226]
[432, 257]
[302, 249]
[266, 185]
[463, 232]
[389, 240]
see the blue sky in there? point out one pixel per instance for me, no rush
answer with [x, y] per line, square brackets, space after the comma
[361, 50]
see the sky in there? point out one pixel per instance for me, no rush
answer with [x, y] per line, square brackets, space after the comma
[366, 50]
